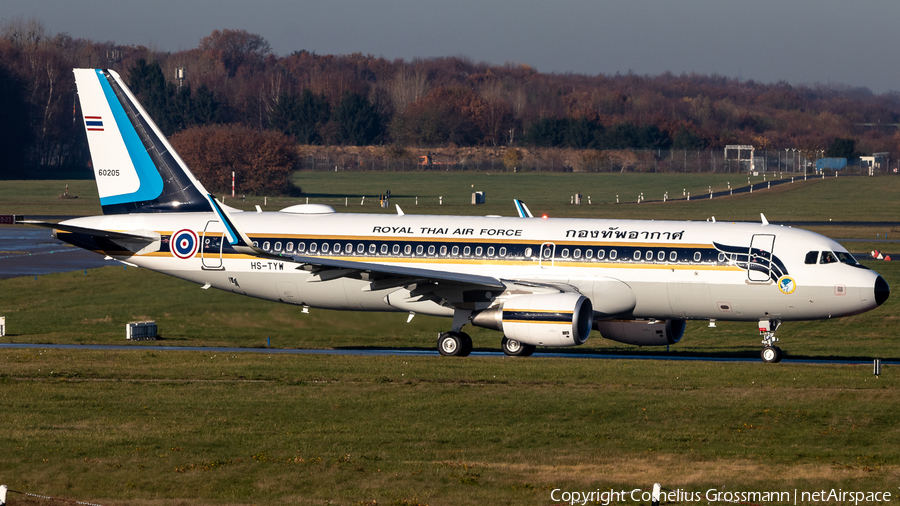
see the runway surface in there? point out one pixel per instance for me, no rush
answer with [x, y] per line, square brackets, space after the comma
[393, 352]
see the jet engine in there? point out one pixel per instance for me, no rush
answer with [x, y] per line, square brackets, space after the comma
[543, 319]
[642, 332]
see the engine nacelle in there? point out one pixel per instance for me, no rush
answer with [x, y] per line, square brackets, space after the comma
[543, 319]
[642, 333]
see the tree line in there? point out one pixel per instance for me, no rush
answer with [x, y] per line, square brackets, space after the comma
[233, 78]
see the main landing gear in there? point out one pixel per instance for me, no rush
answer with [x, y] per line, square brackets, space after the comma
[771, 354]
[514, 348]
[454, 344]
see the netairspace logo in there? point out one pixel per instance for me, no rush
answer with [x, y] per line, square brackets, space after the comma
[607, 497]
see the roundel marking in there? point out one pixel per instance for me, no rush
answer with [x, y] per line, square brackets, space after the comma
[787, 285]
[184, 244]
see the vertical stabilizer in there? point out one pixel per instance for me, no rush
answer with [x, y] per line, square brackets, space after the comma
[136, 169]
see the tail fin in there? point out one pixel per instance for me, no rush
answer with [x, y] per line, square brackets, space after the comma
[136, 169]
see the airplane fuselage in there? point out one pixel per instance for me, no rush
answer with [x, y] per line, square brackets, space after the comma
[628, 268]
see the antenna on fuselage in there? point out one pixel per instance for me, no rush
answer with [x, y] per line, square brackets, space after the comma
[763, 218]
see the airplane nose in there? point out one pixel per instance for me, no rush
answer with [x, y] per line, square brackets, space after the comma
[882, 290]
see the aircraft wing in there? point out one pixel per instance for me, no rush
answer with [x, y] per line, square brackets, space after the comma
[443, 287]
[331, 269]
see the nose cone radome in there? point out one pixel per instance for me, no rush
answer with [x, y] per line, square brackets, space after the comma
[882, 290]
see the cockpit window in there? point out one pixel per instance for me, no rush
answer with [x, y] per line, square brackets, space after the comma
[811, 257]
[846, 258]
[827, 258]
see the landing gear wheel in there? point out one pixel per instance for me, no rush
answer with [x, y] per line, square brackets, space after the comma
[515, 348]
[771, 354]
[454, 344]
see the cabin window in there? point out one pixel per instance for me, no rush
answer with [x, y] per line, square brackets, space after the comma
[528, 252]
[396, 249]
[454, 250]
[266, 245]
[661, 256]
[673, 256]
[467, 251]
[577, 253]
[827, 258]
[407, 249]
[289, 247]
[503, 252]
[337, 247]
[431, 251]
[301, 247]
[372, 248]
[313, 247]
[697, 256]
[648, 256]
[811, 257]
[384, 249]
[601, 254]
[278, 246]
[478, 251]
[490, 251]
[360, 248]
[348, 248]
[325, 247]
[547, 252]
[721, 257]
[419, 250]
[565, 253]
[637, 254]
[612, 254]
[588, 253]
[443, 251]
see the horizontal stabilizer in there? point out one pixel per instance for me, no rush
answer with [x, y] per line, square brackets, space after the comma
[138, 242]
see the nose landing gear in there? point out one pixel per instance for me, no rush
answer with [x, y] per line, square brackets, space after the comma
[771, 354]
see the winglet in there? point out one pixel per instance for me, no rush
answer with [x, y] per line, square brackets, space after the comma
[522, 209]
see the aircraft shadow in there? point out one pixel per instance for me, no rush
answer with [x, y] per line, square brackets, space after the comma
[654, 354]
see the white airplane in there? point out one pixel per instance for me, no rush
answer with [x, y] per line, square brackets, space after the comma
[541, 282]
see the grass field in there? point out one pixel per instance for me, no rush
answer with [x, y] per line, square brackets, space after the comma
[151, 428]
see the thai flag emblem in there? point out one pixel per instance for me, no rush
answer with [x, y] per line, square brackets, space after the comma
[93, 123]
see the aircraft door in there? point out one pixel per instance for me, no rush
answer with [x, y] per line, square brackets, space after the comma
[759, 266]
[548, 251]
[211, 245]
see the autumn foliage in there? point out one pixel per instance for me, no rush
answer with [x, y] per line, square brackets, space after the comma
[263, 161]
[232, 77]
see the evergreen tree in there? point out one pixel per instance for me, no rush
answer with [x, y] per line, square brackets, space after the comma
[16, 138]
[358, 120]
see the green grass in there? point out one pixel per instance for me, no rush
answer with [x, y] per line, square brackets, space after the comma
[211, 428]
[837, 199]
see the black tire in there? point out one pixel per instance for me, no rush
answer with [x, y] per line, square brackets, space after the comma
[467, 344]
[514, 348]
[771, 354]
[454, 344]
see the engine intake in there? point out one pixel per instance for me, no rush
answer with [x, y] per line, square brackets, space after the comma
[545, 319]
[642, 332]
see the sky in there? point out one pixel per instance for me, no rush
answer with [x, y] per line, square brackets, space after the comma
[836, 42]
